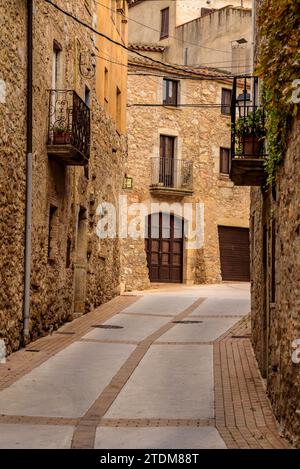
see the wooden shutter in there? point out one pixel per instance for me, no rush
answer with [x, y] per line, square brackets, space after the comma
[164, 23]
[170, 92]
[224, 160]
[174, 92]
[167, 146]
[226, 101]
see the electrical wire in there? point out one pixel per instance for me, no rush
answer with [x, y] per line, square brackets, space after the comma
[170, 66]
[204, 105]
[157, 30]
[182, 93]
[126, 65]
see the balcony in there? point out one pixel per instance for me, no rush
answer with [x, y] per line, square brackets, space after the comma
[68, 128]
[172, 177]
[248, 148]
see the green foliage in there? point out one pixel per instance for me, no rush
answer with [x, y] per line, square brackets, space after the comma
[253, 124]
[59, 128]
[278, 66]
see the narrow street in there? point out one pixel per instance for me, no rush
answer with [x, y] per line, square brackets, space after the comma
[171, 367]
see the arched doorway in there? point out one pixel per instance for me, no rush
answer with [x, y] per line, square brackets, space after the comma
[164, 247]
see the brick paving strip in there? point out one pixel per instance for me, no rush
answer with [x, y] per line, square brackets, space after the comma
[85, 432]
[244, 416]
[157, 423]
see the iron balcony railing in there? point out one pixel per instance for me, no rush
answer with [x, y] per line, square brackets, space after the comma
[172, 173]
[69, 121]
[248, 131]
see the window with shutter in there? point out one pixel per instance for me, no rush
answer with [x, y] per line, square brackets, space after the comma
[226, 101]
[224, 160]
[164, 31]
[167, 146]
[166, 162]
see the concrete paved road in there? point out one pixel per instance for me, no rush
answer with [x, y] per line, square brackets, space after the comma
[168, 400]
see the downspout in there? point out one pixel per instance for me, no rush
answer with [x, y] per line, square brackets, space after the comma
[253, 42]
[28, 209]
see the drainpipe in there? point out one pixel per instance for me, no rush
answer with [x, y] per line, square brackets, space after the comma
[253, 33]
[28, 213]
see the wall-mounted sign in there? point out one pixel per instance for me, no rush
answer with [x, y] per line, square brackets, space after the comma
[128, 182]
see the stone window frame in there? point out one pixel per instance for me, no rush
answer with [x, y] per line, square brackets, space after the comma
[171, 133]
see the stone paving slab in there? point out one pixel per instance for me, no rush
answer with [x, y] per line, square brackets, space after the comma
[159, 438]
[208, 330]
[161, 304]
[157, 388]
[133, 328]
[23, 361]
[15, 436]
[223, 307]
[68, 383]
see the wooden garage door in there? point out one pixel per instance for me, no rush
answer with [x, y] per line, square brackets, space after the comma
[234, 253]
[164, 247]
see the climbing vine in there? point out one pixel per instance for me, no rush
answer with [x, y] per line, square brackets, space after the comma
[279, 67]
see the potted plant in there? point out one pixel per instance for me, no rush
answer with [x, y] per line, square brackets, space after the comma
[60, 134]
[250, 133]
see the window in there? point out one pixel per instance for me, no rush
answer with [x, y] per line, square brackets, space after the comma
[105, 88]
[186, 55]
[164, 30]
[118, 108]
[166, 161]
[87, 96]
[167, 146]
[273, 262]
[56, 65]
[113, 10]
[120, 14]
[52, 233]
[68, 253]
[226, 101]
[224, 160]
[170, 94]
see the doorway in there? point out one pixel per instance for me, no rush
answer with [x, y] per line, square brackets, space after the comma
[164, 248]
[80, 264]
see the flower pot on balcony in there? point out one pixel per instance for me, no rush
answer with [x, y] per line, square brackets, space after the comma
[60, 138]
[252, 146]
[249, 133]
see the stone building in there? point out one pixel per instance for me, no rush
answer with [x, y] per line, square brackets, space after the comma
[178, 153]
[212, 33]
[275, 216]
[79, 150]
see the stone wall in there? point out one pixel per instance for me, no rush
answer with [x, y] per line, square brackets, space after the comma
[275, 321]
[12, 166]
[189, 10]
[217, 32]
[200, 133]
[82, 271]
